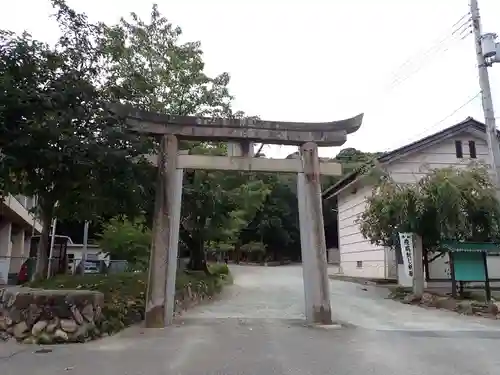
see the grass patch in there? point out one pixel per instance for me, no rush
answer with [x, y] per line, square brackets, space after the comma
[124, 293]
[399, 292]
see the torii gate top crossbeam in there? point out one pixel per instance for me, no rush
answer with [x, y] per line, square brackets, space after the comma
[332, 133]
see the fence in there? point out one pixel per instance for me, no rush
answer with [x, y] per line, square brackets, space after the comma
[16, 270]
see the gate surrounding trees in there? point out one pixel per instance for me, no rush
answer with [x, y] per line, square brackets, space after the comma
[240, 135]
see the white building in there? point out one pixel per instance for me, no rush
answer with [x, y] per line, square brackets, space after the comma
[455, 146]
[17, 225]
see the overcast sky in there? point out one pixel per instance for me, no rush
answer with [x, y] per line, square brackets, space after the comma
[322, 60]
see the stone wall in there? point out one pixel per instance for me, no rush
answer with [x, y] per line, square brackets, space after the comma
[50, 316]
[59, 316]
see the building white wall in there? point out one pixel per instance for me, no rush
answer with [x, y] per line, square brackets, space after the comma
[18, 209]
[17, 225]
[93, 252]
[18, 250]
[5, 249]
[358, 257]
[411, 168]
[376, 261]
[15, 244]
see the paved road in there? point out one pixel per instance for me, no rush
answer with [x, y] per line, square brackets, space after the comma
[257, 328]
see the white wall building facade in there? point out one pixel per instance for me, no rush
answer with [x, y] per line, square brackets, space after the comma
[17, 225]
[457, 146]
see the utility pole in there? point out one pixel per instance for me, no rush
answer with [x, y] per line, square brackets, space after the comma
[85, 244]
[486, 57]
[51, 249]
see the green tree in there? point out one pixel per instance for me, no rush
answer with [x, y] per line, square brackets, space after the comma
[276, 223]
[57, 140]
[254, 251]
[164, 75]
[124, 239]
[160, 73]
[352, 159]
[217, 205]
[447, 204]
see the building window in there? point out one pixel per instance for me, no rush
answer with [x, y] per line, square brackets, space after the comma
[359, 264]
[458, 149]
[472, 149]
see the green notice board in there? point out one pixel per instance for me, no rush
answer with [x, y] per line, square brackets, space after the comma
[469, 266]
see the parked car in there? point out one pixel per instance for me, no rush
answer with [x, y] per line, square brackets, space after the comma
[91, 267]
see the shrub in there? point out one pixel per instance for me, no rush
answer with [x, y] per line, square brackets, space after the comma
[219, 269]
[123, 239]
[447, 204]
[253, 247]
[124, 293]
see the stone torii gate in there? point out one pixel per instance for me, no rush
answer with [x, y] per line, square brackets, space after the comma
[240, 135]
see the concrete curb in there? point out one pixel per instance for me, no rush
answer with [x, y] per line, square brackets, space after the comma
[327, 327]
[363, 281]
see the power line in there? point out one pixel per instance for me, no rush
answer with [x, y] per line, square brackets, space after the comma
[458, 109]
[443, 45]
[403, 75]
[460, 30]
[434, 44]
[374, 159]
[461, 19]
[455, 33]
[469, 100]
[438, 41]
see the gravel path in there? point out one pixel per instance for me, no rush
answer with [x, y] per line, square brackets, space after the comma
[256, 328]
[277, 293]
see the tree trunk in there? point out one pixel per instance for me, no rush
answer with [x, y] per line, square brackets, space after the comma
[42, 253]
[198, 260]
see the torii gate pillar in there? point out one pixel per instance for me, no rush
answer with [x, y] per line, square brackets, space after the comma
[312, 238]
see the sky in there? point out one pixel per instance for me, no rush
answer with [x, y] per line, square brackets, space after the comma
[322, 60]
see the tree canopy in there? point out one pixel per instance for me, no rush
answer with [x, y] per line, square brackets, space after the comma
[59, 143]
[447, 204]
[159, 72]
[57, 139]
